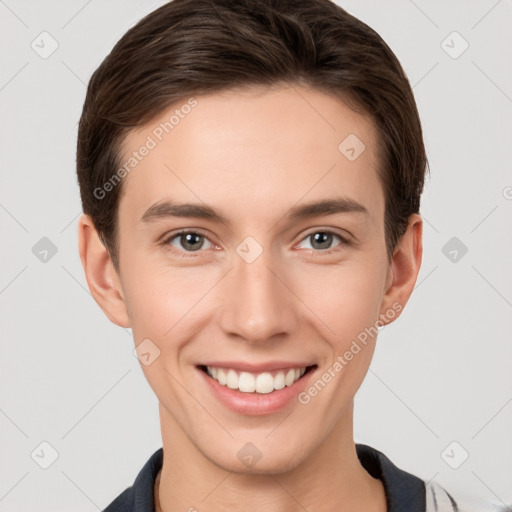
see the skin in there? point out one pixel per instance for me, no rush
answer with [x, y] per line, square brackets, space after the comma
[252, 155]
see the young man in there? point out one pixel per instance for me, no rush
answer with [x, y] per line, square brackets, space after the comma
[250, 174]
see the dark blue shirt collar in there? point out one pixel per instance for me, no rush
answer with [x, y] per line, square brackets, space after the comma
[404, 492]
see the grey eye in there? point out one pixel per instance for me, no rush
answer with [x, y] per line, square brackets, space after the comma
[322, 240]
[190, 241]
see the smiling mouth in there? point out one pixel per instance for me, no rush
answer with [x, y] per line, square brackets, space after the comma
[261, 383]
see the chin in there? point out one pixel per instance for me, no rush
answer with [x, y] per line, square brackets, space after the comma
[250, 460]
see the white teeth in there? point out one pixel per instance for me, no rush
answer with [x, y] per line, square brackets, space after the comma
[260, 383]
[279, 382]
[264, 383]
[221, 377]
[247, 383]
[290, 377]
[232, 379]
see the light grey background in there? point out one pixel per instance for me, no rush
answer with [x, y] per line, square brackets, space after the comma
[441, 373]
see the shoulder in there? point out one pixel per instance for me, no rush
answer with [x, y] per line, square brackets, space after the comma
[140, 496]
[406, 492]
[123, 503]
[438, 499]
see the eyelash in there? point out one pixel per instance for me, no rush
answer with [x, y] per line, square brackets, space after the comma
[186, 254]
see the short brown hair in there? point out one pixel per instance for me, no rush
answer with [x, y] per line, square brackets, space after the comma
[194, 47]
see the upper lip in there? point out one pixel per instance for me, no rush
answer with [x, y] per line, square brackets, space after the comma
[244, 366]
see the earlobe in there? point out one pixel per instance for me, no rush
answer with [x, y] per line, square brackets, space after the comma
[404, 267]
[100, 273]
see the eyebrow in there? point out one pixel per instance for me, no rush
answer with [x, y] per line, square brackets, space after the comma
[167, 208]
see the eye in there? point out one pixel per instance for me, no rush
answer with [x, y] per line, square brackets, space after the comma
[322, 240]
[188, 241]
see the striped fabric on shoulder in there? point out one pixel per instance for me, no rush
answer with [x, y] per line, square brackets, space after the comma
[439, 499]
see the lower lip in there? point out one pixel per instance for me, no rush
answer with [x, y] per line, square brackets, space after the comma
[255, 404]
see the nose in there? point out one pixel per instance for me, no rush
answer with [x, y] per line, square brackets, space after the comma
[257, 305]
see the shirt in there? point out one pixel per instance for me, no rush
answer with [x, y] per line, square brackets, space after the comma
[404, 491]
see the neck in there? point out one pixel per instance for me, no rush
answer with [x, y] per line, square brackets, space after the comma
[331, 478]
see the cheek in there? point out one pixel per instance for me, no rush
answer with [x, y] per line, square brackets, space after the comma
[345, 299]
[160, 301]
[346, 302]
[164, 305]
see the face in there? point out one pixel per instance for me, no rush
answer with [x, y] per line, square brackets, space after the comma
[277, 263]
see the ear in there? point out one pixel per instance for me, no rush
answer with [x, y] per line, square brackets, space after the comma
[403, 269]
[101, 276]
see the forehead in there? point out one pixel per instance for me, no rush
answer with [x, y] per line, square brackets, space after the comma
[258, 150]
